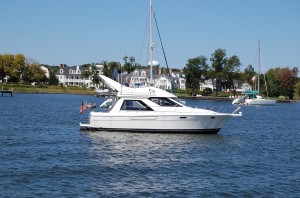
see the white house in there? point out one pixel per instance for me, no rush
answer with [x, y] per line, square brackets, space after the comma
[163, 82]
[72, 76]
[244, 87]
[207, 84]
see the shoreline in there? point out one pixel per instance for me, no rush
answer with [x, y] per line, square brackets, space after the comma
[90, 93]
[228, 99]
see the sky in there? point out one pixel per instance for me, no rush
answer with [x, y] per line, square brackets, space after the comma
[76, 32]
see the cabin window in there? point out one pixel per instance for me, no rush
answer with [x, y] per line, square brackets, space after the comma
[136, 105]
[164, 102]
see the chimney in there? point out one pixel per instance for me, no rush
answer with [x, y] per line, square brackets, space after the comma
[170, 72]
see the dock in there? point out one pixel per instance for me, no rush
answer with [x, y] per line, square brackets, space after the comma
[8, 92]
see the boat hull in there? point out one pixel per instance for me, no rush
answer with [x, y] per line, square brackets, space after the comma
[179, 123]
[260, 102]
[134, 130]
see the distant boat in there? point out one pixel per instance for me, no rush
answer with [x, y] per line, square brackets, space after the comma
[252, 96]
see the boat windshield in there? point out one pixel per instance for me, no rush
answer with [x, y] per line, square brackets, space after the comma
[165, 102]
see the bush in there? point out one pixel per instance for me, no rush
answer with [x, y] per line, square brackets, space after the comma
[282, 97]
[207, 91]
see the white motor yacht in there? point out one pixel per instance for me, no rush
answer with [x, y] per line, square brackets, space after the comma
[150, 109]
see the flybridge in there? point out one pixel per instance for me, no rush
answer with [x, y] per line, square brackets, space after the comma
[123, 91]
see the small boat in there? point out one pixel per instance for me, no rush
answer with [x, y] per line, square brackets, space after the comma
[150, 109]
[258, 100]
[240, 100]
[252, 97]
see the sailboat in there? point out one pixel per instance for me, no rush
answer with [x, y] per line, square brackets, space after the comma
[150, 109]
[254, 97]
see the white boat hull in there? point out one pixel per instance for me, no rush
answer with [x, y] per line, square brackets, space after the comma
[260, 101]
[141, 122]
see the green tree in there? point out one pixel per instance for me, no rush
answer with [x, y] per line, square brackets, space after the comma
[248, 74]
[129, 64]
[33, 72]
[272, 82]
[114, 68]
[231, 71]
[218, 59]
[52, 78]
[195, 69]
[18, 68]
[224, 70]
[297, 88]
[6, 65]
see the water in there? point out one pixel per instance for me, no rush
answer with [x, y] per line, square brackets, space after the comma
[44, 154]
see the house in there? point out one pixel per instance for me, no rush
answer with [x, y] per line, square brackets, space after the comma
[179, 81]
[244, 87]
[141, 77]
[207, 84]
[72, 76]
[163, 82]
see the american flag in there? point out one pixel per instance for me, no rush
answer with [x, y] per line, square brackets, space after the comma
[83, 107]
[254, 78]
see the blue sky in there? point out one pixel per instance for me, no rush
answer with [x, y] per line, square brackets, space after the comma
[76, 32]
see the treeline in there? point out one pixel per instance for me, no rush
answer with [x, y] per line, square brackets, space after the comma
[226, 74]
[19, 69]
[224, 71]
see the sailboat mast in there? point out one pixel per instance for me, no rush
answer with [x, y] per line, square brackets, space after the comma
[259, 62]
[151, 41]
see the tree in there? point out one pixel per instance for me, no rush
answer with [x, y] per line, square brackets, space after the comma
[195, 69]
[33, 72]
[249, 72]
[231, 71]
[224, 70]
[218, 59]
[18, 68]
[115, 69]
[52, 78]
[6, 65]
[281, 81]
[297, 88]
[129, 64]
[272, 82]
[288, 79]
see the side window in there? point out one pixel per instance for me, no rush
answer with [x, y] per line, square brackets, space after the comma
[135, 105]
[164, 102]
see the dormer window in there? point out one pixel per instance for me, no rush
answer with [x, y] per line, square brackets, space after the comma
[61, 71]
[143, 73]
[136, 73]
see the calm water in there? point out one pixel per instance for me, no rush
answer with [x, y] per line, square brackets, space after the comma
[44, 154]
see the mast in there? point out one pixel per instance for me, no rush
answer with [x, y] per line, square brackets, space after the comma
[151, 42]
[259, 62]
